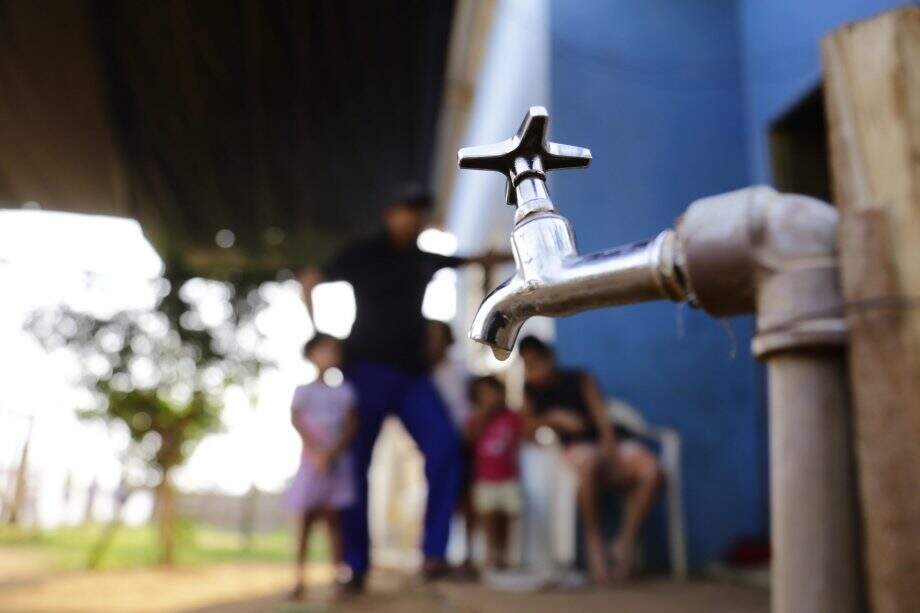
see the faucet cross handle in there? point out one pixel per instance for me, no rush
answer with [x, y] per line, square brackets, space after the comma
[526, 155]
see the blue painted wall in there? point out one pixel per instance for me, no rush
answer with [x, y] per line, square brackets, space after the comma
[782, 59]
[675, 98]
[653, 88]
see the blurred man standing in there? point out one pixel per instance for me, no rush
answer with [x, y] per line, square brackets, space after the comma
[386, 364]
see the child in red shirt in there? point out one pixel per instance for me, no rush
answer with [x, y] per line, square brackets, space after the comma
[494, 434]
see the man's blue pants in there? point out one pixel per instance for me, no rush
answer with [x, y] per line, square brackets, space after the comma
[384, 391]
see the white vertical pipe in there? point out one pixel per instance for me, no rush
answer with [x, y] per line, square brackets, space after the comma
[813, 506]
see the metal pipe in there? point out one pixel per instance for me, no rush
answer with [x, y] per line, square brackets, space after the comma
[552, 279]
[775, 254]
[751, 250]
[812, 497]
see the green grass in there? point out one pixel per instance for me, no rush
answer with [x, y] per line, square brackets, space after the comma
[134, 546]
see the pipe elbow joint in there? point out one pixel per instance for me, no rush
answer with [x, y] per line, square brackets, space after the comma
[756, 250]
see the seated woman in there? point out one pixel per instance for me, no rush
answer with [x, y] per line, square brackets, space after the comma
[570, 403]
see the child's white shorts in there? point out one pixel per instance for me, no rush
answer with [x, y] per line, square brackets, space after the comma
[497, 496]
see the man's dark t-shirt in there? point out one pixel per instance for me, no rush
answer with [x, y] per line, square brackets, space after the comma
[389, 286]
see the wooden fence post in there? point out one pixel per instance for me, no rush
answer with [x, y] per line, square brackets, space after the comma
[872, 93]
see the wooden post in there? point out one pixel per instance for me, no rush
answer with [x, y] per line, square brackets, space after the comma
[872, 93]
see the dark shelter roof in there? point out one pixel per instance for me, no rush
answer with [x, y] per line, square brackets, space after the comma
[286, 122]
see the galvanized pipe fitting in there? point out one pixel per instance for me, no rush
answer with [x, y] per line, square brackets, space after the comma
[755, 250]
[748, 251]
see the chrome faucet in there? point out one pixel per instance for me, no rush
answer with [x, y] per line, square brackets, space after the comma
[551, 278]
[752, 250]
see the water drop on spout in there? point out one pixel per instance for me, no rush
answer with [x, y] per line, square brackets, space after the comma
[500, 354]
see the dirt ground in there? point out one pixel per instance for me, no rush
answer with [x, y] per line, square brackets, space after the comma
[27, 585]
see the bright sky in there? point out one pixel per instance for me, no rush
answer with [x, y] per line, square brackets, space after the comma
[102, 264]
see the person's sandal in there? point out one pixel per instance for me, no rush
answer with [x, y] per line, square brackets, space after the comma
[465, 572]
[621, 570]
[352, 586]
[433, 570]
[298, 593]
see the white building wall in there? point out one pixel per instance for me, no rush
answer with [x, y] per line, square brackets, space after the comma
[515, 76]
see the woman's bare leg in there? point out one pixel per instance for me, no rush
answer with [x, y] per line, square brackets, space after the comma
[584, 460]
[469, 525]
[303, 537]
[491, 528]
[501, 561]
[641, 474]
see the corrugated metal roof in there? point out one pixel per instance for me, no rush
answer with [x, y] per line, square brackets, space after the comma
[285, 122]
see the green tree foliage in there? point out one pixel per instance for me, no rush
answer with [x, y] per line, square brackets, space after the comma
[160, 373]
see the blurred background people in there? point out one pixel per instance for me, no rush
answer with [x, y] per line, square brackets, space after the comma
[451, 379]
[450, 376]
[571, 404]
[323, 413]
[494, 433]
[384, 359]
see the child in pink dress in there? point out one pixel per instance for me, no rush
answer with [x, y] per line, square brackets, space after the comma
[495, 434]
[324, 415]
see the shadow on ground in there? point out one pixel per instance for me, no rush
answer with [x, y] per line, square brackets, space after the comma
[29, 583]
[411, 597]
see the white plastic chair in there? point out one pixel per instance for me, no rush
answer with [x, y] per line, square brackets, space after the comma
[549, 526]
[626, 416]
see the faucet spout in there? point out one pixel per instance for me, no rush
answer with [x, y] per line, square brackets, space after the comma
[552, 279]
[495, 324]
